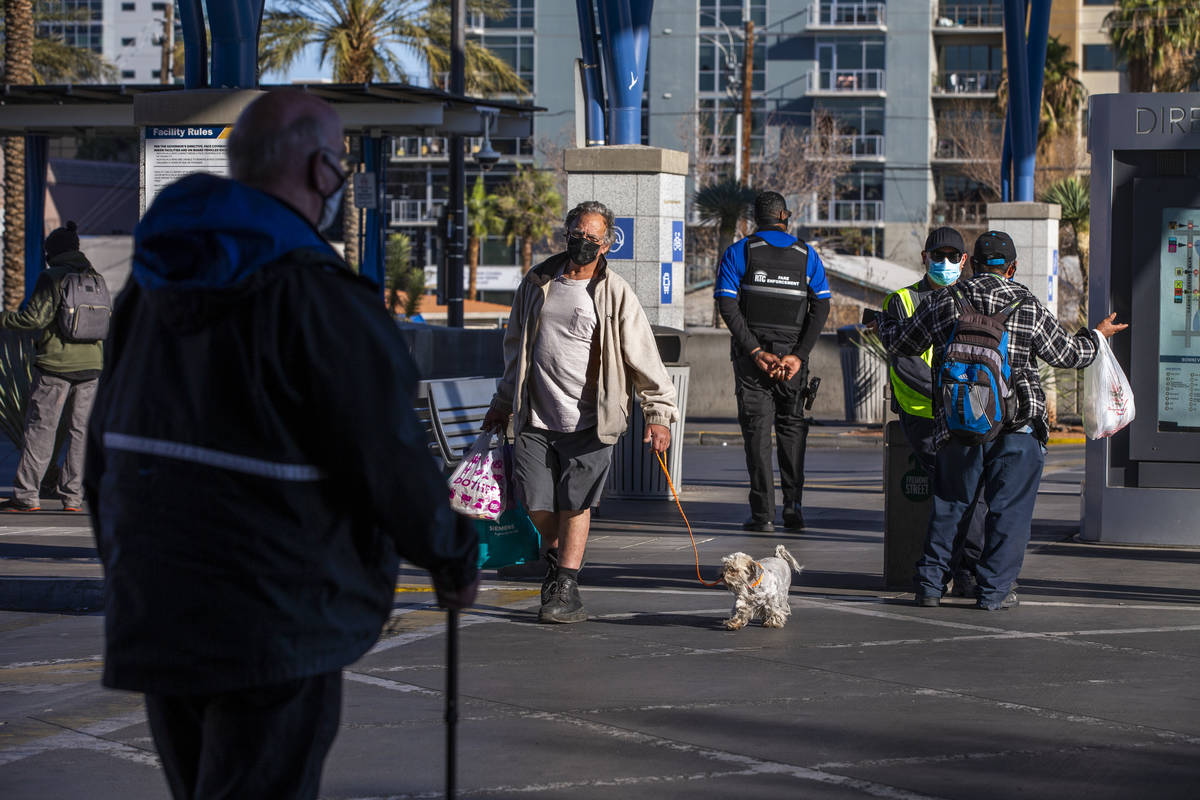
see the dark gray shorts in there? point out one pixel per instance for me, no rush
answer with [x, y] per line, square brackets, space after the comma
[560, 471]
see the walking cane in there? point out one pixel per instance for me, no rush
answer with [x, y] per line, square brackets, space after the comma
[451, 696]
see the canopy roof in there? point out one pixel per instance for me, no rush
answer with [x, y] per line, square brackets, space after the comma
[393, 109]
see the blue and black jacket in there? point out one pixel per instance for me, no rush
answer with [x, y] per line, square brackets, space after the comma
[254, 464]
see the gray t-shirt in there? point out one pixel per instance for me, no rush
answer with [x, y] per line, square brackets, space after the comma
[563, 376]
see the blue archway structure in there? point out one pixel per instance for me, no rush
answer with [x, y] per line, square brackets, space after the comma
[620, 30]
[1025, 56]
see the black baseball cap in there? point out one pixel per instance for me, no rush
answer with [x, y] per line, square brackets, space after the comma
[995, 249]
[945, 237]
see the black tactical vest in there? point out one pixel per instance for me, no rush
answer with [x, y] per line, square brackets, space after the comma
[773, 295]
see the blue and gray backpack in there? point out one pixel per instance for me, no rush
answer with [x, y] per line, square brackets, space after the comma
[973, 380]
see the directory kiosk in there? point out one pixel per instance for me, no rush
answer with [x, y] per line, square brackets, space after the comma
[1142, 486]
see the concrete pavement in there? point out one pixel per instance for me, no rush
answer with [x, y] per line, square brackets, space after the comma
[1087, 690]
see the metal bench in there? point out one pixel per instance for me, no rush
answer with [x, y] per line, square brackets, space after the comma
[453, 413]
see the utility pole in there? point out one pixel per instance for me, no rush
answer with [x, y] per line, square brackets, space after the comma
[457, 217]
[168, 44]
[747, 90]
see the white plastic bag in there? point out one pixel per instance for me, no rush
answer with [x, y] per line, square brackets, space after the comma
[1107, 397]
[477, 487]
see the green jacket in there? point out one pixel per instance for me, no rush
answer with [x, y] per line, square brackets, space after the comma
[41, 313]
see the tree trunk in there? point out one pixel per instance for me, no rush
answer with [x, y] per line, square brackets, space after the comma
[18, 69]
[1083, 248]
[14, 222]
[472, 265]
[526, 254]
[350, 226]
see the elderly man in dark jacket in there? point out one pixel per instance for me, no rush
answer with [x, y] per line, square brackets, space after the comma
[255, 467]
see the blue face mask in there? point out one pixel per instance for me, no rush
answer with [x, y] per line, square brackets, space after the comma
[944, 273]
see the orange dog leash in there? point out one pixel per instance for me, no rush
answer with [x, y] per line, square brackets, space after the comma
[662, 463]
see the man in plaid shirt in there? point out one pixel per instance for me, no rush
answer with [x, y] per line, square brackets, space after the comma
[1011, 464]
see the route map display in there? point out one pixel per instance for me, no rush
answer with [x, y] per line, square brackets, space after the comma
[1179, 321]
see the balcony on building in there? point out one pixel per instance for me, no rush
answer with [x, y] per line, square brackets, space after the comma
[959, 215]
[419, 148]
[847, 213]
[856, 146]
[406, 212]
[848, 15]
[966, 83]
[968, 17]
[850, 82]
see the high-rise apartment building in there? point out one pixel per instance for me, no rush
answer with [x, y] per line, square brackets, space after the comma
[128, 33]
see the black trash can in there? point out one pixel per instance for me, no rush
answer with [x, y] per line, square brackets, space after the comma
[907, 503]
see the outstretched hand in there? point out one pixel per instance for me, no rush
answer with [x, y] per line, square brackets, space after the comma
[1108, 327]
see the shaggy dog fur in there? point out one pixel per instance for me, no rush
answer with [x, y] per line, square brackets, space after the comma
[769, 599]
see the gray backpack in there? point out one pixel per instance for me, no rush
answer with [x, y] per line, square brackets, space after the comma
[86, 307]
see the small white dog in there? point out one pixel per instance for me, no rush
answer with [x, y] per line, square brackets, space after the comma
[760, 588]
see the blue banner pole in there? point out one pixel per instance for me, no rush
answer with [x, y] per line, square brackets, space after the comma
[625, 31]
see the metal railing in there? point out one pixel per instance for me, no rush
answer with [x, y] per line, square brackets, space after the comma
[856, 145]
[408, 212]
[961, 15]
[841, 211]
[851, 80]
[958, 214]
[428, 147]
[850, 13]
[960, 82]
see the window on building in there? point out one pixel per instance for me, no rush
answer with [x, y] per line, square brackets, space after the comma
[129, 6]
[1099, 2]
[516, 50]
[714, 13]
[720, 64]
[158, 6]
[127, 74]
[717, 126]
[128, 41]
[856, 197]
[519, 15]
[1099, 58]
[156, 74]
[78, 23]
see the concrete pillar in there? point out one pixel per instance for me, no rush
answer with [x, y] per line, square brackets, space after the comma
[1034, 230]
[644, 187]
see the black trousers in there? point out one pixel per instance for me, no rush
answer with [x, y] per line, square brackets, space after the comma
[269, 741]
[968, 544]
[764, 403]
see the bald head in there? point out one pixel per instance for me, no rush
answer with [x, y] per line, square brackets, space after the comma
[286, 143]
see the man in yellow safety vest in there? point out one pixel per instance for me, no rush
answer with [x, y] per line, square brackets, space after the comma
[912, 391]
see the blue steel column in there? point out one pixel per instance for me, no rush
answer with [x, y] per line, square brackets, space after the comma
[195, 44]
[36, 149]
[373, 241]
[593, 93]
[625, 31]
[1023, 138]
[234, 26]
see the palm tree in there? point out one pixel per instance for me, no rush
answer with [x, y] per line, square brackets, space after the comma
[1159, 41]
[482, 219]
[397, 263]
[361, 38]
[531, 210]
[1062, 93]
[32, 59]
[1074, 195]
[723, 203]
[18, 69]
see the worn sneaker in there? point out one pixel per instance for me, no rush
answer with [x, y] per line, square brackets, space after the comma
[564, 604]
[965, 584]
[1010, 601]
[13, 506]
[793, 519]
[927, 600]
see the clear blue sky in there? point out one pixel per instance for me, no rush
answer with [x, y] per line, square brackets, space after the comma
[307, 69]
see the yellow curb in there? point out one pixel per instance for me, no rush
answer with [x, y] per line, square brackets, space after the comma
[1068, 440]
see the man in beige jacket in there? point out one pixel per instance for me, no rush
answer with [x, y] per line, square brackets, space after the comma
[578, 346]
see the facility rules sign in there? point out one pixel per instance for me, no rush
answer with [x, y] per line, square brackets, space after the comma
[170, 152]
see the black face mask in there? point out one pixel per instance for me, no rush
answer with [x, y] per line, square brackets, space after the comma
[582, 251]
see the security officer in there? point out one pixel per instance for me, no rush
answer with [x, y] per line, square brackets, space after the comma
[773, 295]
[912, 392]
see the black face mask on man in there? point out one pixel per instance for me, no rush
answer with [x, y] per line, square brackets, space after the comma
[582, 250]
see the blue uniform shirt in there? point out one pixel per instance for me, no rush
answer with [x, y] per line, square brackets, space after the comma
[733, 266]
